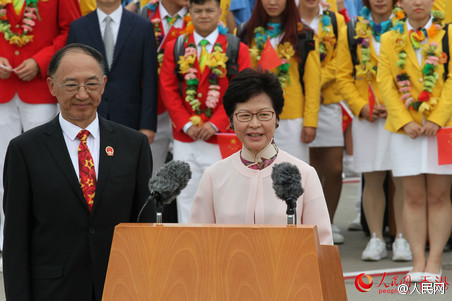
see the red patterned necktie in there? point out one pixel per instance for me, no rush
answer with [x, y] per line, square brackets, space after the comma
[86, 169]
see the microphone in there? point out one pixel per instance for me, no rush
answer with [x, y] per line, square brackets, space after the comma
[287, 185]
[166, 185]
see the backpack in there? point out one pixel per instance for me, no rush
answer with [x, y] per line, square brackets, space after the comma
[445, 45]
[305, 45]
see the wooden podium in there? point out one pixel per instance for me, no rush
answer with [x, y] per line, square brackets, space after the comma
[221, 262]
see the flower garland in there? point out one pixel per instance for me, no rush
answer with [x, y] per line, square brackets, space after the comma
[153, 6]
[326, 32]
[285, 52]
[216, 61]
[364, 31]
[22, 37]
[433, 56]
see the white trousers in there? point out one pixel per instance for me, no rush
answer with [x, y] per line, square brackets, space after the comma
[199, 155]
[17, 117]
[162, 141]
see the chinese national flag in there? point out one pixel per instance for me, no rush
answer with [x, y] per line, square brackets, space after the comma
[171, 35]
[371, 101]
[347, 116]
[228, 143]
[269, 57]
[444, 138]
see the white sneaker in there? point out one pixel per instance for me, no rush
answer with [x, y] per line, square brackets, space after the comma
[401, 250]
[355, 225]
[337, 236]
[375, 249]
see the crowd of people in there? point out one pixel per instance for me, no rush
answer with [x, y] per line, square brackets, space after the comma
[181, 72]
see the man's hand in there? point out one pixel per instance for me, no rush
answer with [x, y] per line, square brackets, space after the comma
[206, 131]
[365, 113]
[430, 128]
[28, 70]
[5, 68]
[413, 129]
[193, 132]
[149, 133]
[308, 134]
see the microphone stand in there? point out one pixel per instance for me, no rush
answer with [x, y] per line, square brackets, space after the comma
[291, 211]
[158, 204]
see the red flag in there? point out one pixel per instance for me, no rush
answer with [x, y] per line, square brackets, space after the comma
[347, 116]
[269, 57]
[444, 139]
[172, 34]
[371, 102]
[228, 143]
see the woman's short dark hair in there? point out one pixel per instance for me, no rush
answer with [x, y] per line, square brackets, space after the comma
[249, 83]
[56, 59]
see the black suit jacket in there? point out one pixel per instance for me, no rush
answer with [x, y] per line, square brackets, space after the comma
[54, 248]
[130, 96]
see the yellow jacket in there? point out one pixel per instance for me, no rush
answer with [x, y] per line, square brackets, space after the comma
[330, 89]
[297, 104]
[398, 115]
[354, 90]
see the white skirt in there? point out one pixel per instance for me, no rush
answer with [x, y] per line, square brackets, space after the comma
[288, 138]
[414, 157]
[329, 127]
[371, 145]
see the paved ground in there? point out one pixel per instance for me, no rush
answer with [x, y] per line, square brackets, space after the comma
[350, 253]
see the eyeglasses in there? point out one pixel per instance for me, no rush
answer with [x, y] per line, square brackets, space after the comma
[90, 87]
[261, 116]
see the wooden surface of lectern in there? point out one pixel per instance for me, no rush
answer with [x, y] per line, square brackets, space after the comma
[221, 262]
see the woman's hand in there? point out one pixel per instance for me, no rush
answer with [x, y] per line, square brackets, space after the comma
[382, 113]
[308, 134]
[413, 129]
[430, 128]
[365, 113]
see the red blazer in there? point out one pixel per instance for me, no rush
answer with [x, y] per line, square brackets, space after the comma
[49, 35]
[153, 16]
[179, 110]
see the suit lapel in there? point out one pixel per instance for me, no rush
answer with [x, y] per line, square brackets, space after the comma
[93, 28]
[107, 139]
[125, 30]
[58, 149]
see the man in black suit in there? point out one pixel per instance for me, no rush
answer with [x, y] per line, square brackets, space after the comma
[127, 43]
[57, 233]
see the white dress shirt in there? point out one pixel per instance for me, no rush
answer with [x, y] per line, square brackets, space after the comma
[212, 38]
[115, 22]
[179, 22]
[70, 132]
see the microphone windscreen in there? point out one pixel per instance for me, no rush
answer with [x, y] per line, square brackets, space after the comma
[287, 181]
[170, 180]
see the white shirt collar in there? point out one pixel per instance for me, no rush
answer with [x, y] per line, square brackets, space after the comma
[71, 130]
[267, 153]
[212, 37]
[163, 12]
[427, 26]
[115, 16]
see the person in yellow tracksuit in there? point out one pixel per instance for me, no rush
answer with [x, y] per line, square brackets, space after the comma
[417, 98]
[282, 25]
[327, 148]
[370, 139]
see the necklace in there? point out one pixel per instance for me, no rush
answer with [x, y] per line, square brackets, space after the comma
[432, 56]
[216, 61]
[22, 36]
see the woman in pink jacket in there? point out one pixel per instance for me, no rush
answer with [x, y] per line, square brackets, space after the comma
[238, 189]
